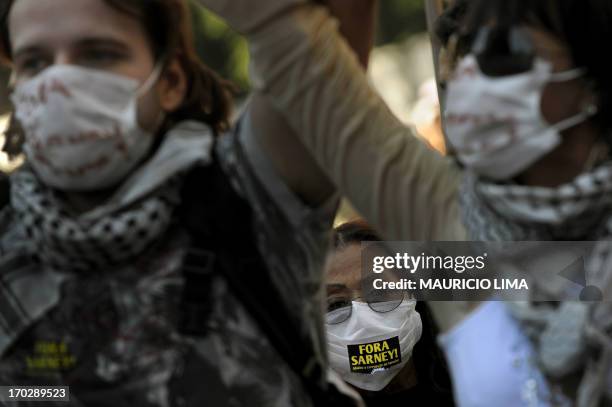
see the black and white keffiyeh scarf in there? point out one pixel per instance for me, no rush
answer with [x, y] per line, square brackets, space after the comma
[67, 243]
[578, 211]
[114, 233]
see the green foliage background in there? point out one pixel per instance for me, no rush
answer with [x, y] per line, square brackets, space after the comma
[227, 53]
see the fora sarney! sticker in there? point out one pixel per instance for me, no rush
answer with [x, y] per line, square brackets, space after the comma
[367, 357]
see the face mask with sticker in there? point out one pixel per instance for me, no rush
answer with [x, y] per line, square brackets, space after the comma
[81, 126]
[370, 348]
[495, 124]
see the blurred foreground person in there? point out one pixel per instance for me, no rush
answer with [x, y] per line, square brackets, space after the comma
[528, 116]
[402, 329]
[130, 266]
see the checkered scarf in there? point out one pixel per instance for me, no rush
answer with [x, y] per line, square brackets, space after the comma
[579, 211]
[67, 243]
[43, 244]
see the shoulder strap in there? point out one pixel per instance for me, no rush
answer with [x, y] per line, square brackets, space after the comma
[5, 190]
[209, 201]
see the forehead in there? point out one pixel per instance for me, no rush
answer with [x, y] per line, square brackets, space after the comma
[344, 266]
[57, 22]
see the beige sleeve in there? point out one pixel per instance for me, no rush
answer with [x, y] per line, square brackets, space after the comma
[405, 190]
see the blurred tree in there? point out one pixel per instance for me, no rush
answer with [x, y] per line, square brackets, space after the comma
[399, 19]
[226, 51]
[221, 48]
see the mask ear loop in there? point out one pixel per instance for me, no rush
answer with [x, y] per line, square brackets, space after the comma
[600, 152]
[148, 84]
[569, 75]
[587, 112]
[151, 80]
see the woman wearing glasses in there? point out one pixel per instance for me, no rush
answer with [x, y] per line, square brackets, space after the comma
[382, 343]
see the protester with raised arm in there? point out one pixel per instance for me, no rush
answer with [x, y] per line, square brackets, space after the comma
[528, 115]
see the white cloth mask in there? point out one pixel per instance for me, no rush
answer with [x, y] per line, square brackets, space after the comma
[496, 125]
[370, 348]
[81, 126]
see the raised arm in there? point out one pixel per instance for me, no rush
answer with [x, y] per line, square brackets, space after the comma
[291, 159]
[311, 75]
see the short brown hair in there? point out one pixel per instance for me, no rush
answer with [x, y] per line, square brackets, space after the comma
[168, 25]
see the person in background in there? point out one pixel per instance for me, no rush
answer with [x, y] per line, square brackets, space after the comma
[420, 376]
[528, 118]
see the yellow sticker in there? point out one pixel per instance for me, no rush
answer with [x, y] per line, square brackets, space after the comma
[367, 357]
[50, 356]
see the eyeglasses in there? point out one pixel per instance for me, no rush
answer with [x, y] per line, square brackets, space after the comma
[340, 303]
[503, 51]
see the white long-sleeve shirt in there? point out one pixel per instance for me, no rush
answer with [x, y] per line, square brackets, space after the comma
[402, 187]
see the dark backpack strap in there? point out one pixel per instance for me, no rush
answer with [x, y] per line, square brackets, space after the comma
[5, 191]
[209, 202]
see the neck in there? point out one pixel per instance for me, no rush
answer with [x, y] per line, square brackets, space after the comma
[82, 202]
[566, 162]
[405, 380]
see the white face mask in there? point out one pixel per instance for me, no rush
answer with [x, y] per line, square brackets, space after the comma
[81, 126]
[370, 348]
[496, 126]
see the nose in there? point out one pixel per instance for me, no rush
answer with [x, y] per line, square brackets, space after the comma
[52, 58]
[62, 58]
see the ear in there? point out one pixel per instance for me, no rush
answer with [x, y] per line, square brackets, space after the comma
[172, 86]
